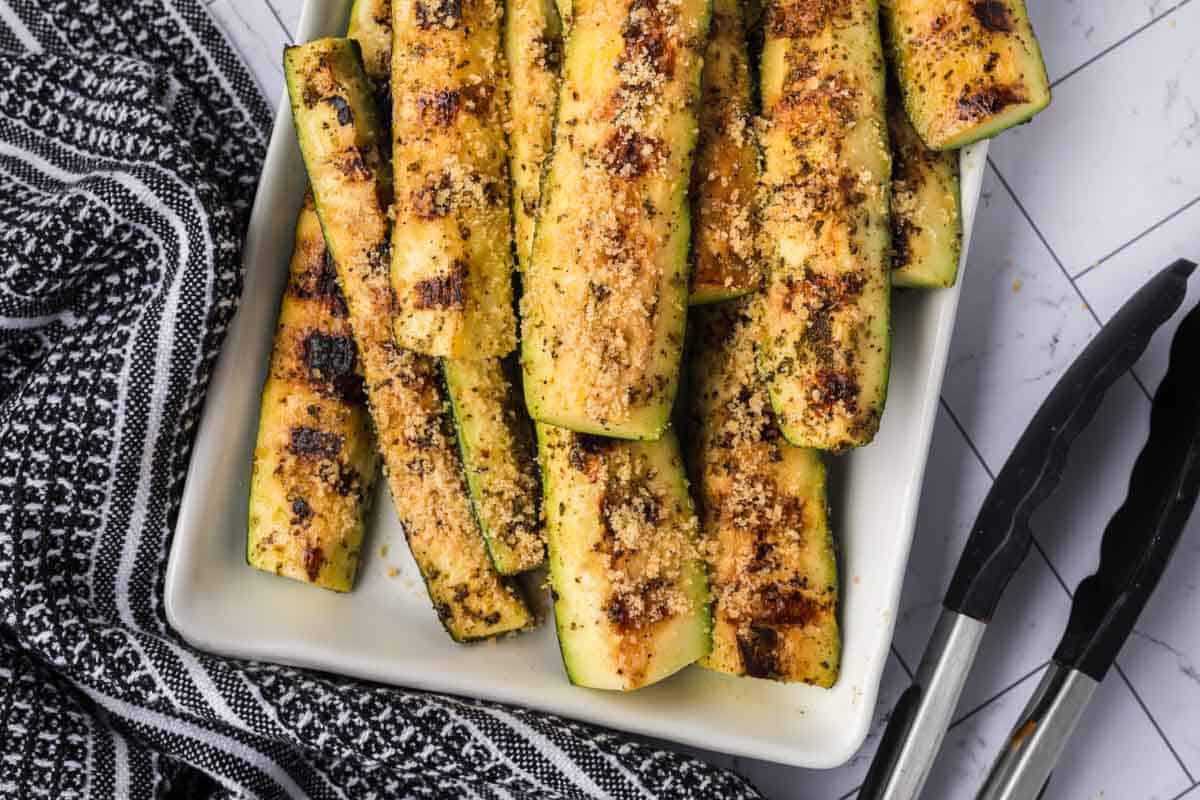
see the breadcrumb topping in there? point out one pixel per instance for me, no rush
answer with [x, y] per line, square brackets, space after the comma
[605, 293]
[825, 228]
[764, 523]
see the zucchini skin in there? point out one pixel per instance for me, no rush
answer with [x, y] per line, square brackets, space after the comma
[968, 69]
[825, 343]
[314, 458]
[763, 514]
[605, 299]
[631, 602]
[926, 207]
[342, 143]
[495, 439]
[452, 240]
[725, 170]
[533, 47]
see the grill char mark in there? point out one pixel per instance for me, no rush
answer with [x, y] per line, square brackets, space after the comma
[314, 443]
[444, 291]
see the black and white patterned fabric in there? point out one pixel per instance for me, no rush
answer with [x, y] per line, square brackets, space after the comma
[130, 143]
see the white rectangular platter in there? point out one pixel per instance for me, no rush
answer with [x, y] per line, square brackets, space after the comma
[385, 629]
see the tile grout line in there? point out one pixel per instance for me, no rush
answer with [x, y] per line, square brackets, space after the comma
[278, 19]
[900, 658]
[1154, 722]
[1066, 273]
[1139, 237]
[1185, 792]
[976, 709]
[999, 694]
[970, 444]
[1119, 42]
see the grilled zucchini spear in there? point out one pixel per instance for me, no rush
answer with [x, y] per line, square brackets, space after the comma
[630, 592]
[764, 522]
[307, 510]
[926, 214]
[494, 436]
[606, 289]
[968, 69]
[452, 241]
[314, 460]
[342, 144]
[533, 45]
[725, 172]
[499, 455]
[825, 340]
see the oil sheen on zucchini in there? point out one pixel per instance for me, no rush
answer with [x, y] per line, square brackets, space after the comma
[500, 458]
[825, 341]
[763, 515]
[452, 241]
[606, 289]
[314, 460]
[342, 144]
[533, 46]
[926, 215]
[725, 172]
[968, 69]
[630, 593]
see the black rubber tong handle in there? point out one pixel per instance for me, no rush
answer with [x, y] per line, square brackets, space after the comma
[1001, 537]
[1142, 534]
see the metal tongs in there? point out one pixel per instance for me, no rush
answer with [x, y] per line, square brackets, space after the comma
[1136, 546]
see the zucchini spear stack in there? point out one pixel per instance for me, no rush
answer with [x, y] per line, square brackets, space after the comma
[602, 321]
[785, 234]
[463, 539]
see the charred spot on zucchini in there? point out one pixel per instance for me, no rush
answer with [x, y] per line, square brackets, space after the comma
[606, 287]
[314, 457]
[764, 521]
[824, 333]
[452, 240]
[630, 593]
[416, 438]
[926, 213]
[725, 173]
[495, 438]
[967, 69]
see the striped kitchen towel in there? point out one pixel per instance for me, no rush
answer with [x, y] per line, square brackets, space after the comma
[130, 144]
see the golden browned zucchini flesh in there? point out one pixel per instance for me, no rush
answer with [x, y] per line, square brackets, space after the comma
[314, 460]
[764, 522]
[968, 69]
[371, 26]
[533, 45]
[725, 172]
[606, 290]
[926, 215]
[343, 148]
[630, 593]
[452, 240]
[499, 455]
[825, 338]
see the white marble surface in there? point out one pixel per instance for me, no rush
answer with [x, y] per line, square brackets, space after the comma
[1081, 207]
